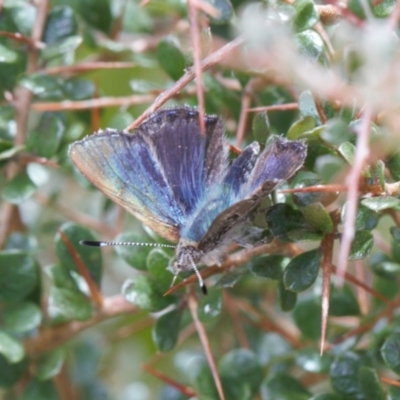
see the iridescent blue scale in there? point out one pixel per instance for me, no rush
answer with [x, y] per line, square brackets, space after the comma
[179, 181]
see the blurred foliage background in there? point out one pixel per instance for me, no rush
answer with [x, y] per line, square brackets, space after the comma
[323, 72]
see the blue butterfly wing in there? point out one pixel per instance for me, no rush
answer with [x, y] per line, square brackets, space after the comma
[250, 180]
[159, 173]
[192, 162]
[123, 167]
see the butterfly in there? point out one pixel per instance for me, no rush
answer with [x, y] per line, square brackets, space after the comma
[179, 181]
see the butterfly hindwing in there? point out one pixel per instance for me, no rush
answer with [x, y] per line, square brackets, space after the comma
[277, 163]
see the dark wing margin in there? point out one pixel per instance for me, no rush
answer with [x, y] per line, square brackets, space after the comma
[124, 168]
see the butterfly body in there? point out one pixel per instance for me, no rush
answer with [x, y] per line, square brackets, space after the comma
[178, 181]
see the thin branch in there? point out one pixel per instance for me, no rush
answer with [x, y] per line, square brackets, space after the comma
[195, 39]
[275, 107]
[95, 293]
[327, 249]
[85, 67]
[352, 183]
[54, 336]
[186, 391]
[94, 103]
[192, 303]
[246, 101]
[206, 64]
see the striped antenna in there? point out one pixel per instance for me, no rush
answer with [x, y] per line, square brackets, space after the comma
[95, 243]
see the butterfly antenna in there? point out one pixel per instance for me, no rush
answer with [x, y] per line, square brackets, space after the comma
[200, 279]
[95, 243]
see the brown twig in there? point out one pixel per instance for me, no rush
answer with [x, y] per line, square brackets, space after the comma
[51, 337]
[94, 103]
[275, 107]
[195, 39]
[207, 63]
[85, 67]
[352, 183]
[327, 251]
[246, 101]
[186, 391]
[21, 101]
[230, 304]
[95, 293]
[192, 303]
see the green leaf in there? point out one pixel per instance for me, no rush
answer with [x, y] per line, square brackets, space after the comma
[282, 218]
[393, 165]
[19, 275]
[209, 307]
[268, 266]
[97, 13]
[307, 107]
[37, 390]
[326, 396]
[310, 45]
[302, 271]
[261, 127]
[390, 352]
[135, 256]
[43, 86]
[143, 291]
[395, 232]
[343, 302]
[7, 55]
[166, 330]
[384, 8]
[50, 364]
[307, 316]
[283, 387]
[287, 299]
[23, 15]
[231, 278]
[171, 58]
[310, 360]
[306, 15]
[78, 89]
[22, 317]
[11, 373]
[60, 23]
[381, 203]
[200, 377]
[90, 256]
[64, 48]
[336, 132]
[344, 375]
[65, 304]
[301, 127]
[393, 393]
[19, 189]
[365, 218]
[328, 166]
[348, 151]
[362, 245]
[46, 139]
[225, 9]
[240, 374]
[370, 384]
[157, 263]
[316, 216]
[11, 348]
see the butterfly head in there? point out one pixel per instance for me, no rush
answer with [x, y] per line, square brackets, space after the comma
[187, 256]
